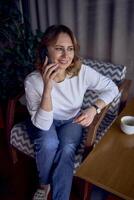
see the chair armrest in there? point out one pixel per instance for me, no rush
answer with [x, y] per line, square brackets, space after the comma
[92, 129]
[124, 88]
[10, 115]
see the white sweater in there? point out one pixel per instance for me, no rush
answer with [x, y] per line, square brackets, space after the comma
[67, 96]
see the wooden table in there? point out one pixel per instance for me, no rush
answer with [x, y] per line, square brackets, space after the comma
[110, 165]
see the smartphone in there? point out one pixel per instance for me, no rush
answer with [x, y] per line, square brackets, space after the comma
[43, 54]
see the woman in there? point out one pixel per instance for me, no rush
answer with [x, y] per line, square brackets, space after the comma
[54, 94]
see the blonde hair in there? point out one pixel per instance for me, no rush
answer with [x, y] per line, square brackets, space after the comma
[51, 34]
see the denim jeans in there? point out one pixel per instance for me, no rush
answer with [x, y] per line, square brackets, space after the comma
[55, 152]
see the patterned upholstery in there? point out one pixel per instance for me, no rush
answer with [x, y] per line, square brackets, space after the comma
[20, 140]
[115, 72]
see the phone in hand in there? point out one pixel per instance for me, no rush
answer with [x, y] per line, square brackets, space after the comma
[43, 55]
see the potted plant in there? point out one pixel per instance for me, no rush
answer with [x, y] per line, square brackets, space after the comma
[17, 49]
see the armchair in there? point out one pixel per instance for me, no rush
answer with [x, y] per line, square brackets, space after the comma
[16, 133]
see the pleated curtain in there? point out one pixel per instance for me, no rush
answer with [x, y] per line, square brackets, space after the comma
[104, 28]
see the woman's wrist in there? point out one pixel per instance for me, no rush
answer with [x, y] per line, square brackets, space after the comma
[46, 102]
[97, 108]
[94, 109]
[47, 92]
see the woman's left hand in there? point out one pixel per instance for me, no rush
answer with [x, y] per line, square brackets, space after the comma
[86, 117]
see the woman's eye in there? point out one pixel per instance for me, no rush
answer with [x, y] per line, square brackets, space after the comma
[71, 49]
[58, 49]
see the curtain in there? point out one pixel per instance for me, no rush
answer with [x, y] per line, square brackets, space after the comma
[104, 28]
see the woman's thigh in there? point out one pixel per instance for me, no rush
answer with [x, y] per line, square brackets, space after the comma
[69, 133]
[47, 138]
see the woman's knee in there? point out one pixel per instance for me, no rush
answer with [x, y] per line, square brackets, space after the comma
[69, 150]
[51, 144]
[47, 145]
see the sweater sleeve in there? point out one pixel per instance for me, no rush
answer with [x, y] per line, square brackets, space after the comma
[104, 86]
[40, 118]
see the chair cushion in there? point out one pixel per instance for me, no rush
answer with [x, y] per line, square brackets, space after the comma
[20, 139]
[116, 72]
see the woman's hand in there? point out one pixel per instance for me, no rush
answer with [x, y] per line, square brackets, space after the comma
[49, 73]
[86, 117]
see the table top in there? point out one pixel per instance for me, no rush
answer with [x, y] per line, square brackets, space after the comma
[110, 165]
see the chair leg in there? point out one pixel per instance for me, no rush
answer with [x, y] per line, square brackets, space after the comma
[14, 156]
[82, 187]
[86, 190]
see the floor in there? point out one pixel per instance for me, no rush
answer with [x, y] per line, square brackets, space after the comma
[17, 182]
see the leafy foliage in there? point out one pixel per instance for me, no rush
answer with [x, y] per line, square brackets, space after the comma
[17, 49]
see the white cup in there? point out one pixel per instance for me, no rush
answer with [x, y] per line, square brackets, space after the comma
[127, 124]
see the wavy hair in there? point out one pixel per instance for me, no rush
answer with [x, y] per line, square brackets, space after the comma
[50, 35]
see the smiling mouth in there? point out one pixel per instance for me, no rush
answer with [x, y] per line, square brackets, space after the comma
[63, 62]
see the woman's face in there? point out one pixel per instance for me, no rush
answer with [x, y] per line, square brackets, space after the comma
[62, 51]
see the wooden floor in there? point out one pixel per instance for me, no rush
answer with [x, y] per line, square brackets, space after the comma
[17, 182]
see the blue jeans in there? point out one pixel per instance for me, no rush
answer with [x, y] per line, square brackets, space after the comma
[55, 152]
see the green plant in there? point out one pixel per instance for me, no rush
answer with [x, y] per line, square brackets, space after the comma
[17, 49]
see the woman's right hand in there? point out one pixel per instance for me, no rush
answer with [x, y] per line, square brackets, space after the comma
[49, 72]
